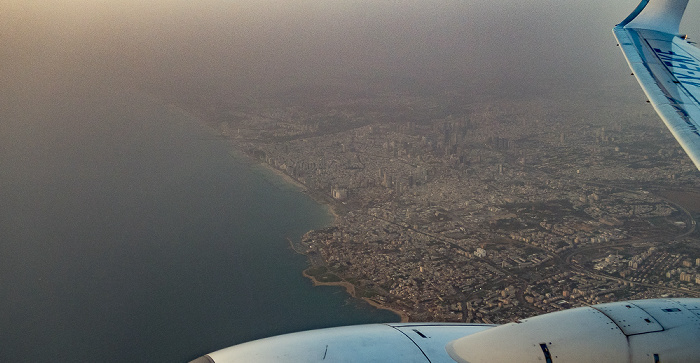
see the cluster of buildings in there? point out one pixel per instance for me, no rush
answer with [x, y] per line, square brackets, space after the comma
[483, 214]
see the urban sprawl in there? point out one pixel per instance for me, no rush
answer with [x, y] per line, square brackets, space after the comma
[483, 211]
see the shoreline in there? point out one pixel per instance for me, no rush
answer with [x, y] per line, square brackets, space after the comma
[202, 120]
[350, 288]
[289, 179]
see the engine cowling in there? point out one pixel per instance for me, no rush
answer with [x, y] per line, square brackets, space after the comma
[650, 331]
[661, 330]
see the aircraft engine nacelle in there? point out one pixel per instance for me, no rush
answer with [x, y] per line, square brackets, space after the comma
[374, 343]
[635, 331]
[649, 331]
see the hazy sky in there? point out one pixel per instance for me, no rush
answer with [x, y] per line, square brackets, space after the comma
[232, 46]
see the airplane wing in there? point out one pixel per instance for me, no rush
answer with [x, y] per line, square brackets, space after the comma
[667, 67]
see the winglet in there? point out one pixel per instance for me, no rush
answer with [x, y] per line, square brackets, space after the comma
[660, 15]
[666, 66]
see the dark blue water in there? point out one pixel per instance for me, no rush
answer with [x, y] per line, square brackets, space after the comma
[128, 233]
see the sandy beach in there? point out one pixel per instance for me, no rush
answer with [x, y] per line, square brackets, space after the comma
[296, 183]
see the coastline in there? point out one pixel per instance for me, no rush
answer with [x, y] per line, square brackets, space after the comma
[350, 288]
[202, 120]
[322, 201]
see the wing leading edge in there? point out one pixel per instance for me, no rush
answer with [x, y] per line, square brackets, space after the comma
[666, 66]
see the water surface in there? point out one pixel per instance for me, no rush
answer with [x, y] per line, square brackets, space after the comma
[129, 233]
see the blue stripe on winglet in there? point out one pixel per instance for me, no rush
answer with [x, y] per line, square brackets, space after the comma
[635, 13]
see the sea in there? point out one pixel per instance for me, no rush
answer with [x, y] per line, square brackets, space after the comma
[129, 232]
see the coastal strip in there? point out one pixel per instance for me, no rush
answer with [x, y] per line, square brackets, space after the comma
[331, 208]
[350, 288]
